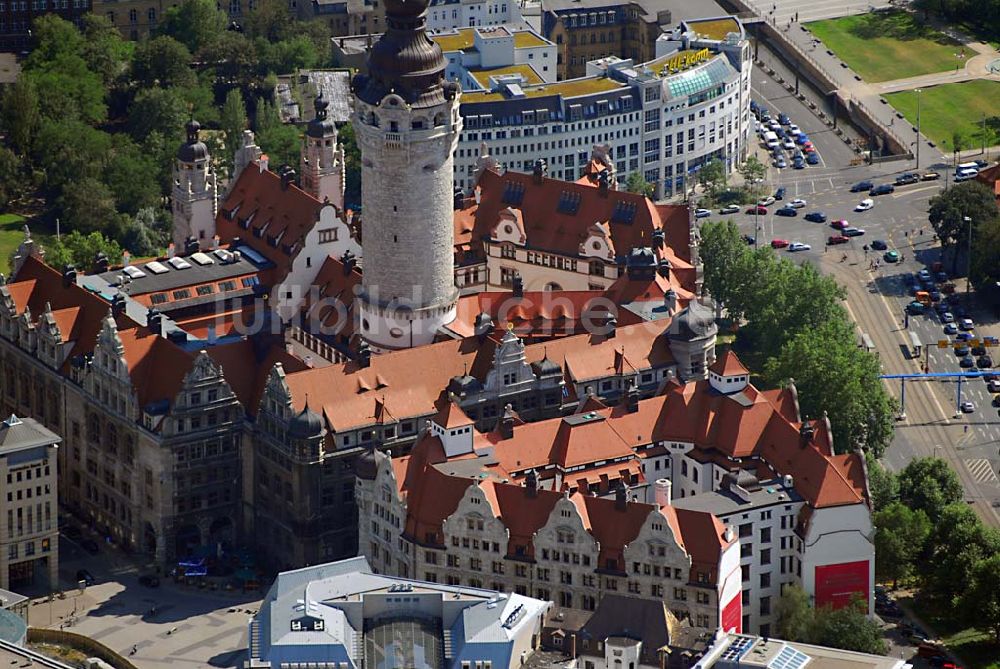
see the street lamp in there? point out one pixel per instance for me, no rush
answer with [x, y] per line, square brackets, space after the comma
[918, 91]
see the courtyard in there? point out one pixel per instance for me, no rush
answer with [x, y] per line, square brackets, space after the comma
[885, 46]
[951, 108]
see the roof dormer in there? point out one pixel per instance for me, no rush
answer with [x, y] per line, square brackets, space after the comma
[728, 375]
[454, 428]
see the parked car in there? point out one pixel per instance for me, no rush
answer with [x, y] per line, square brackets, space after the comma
[702, 213]
[779, 243]
[962, 350]
[787, 144]
[984, 362]
[783, 119]
[802, 139]
[798, 164]
[730, 209]
[853, 232]
[947, 317]
[787, 211]
[832, 240]
[967, 407]
[780, 193]
[765, 202]
[840, 224]
[892, 257]
[799, 246]
[882, 189]
[964, 336]
[965, 324]
[930, 176]
[816, 217]
[757, 209]
[85, 576]
[794, 129]
[967, 362]
[798, 203]
[993, 386]
[879, 245]
[915, 308]
[906, 179]
[950, 329]
[781, 163]
[812, 158]
[864, 205]
[862, 186]
[924, 275]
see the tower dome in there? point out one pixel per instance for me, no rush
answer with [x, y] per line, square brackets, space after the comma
[321, 126]
[193, 149]
[696, 321]
[366, 464]
[305, 425]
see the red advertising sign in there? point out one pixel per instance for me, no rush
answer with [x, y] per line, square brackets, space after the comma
[838, 584]
[732, 615]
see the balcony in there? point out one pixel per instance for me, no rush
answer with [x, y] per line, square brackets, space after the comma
[393, 140]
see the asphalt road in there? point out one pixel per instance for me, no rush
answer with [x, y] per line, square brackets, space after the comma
[877, 297]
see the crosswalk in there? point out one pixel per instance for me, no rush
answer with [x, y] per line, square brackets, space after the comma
[982, 470]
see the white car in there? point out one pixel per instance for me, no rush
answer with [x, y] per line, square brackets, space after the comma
[766, 202]
[793, 130]
[702, 213]
[797, 203]
[788, 144]
[865, 205]
[730, 209]
[799, 246]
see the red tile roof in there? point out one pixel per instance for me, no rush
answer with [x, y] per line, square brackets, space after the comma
[728, 364]
[336, 288]
[278, 217]
[451, 415]
[550, 229]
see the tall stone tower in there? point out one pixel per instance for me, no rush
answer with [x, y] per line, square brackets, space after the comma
[247, 152]
[407, 124]
[195, 196]
[323, 158]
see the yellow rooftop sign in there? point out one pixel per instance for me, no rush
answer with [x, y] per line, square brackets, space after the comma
[685, 60]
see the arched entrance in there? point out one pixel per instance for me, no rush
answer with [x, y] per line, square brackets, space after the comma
[188, 538]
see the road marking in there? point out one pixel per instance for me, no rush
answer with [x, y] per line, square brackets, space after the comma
[913, 191]
[981, 470]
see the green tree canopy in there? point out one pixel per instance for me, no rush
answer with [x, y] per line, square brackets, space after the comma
[882, 483]
[900, 535]
[131, 175]
[159, 110]
[162, 61]
[80, 250]
[104, 50]
[234, 122]
[929, 484]
[195, 23]
[87, 206]
[957, 543]
[847, 628]
[636, 183]
[21, 115]
[981, 603]
[55, 38]
[712, 176]
[794, 614]
[948, 211]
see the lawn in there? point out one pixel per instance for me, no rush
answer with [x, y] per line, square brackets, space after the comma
[949, 108]
[888, 46]
[971, 645]
[11, 234]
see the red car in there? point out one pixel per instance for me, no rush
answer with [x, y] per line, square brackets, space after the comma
[837, 239]
[840, 224]
[779, 243]
[757, 209]
[808, 148]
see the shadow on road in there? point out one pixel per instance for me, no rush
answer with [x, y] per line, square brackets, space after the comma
[169, 603]
[234, 658]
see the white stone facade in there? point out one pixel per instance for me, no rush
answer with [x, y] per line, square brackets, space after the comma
[461, 13]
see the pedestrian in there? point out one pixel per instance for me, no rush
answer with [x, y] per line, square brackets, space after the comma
[966, 428]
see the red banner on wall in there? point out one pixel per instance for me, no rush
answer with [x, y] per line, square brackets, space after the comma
[837, 585]
[732, 615]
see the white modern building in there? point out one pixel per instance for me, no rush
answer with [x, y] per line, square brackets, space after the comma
[341, 615]
[445, 14]
[741, 651]
[664, 119]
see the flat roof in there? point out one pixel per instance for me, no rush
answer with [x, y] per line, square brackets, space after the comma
[174, 278]
[715, 29]
[724, 502]
[567, 89]
[460, 41]
[525, 38]
[526, 71]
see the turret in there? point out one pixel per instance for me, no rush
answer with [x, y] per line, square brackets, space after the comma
[322, 166]
[195, 195]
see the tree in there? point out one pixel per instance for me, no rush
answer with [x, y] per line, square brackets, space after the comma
[234, 57]
[949, 210]
[21, 114]
[195, 23]
[80, 250]
[87, 205]
[959, 142]
[722, 249]
[131, 175]
[162, 61]
[636, 183]
[831, 371]
[753, 172]
[157, 110]
[929, 484]
[986, 259]
[794, 613]
[71, 90]
[288, 55]
[55, 38]
[103, 49]
[982, 598]
[281, 143]
[266, 116]
[882, 483]
[13, 183]
[847, 628]
[70, 150]
[957, 543]
[900, 534]
[352, 160]
[149, 232]
[234, 122]
[713, 177]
